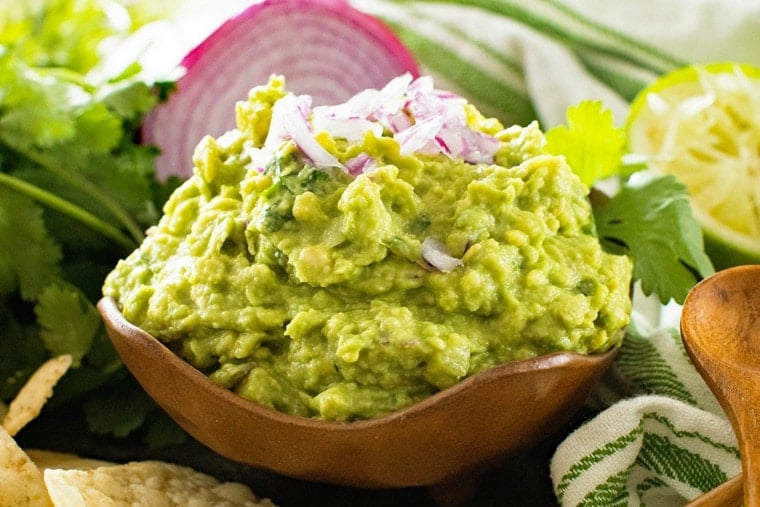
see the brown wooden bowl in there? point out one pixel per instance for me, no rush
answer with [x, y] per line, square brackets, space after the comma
[452, 436]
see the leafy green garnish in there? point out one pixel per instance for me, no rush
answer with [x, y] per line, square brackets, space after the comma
[68, 321]
[30, 272]
[122, 409]
[649, 220]
[55, 33]
[590, 142]
[77, 190]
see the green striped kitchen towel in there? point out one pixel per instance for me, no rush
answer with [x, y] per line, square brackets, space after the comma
[662, 441]
[520, 60]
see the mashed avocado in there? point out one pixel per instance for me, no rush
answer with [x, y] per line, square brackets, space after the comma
[343, 262]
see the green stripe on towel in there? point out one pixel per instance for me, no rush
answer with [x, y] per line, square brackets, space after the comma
[557, 20]
[612, 492]
[648, 371]
[585, 463]
[667, 459]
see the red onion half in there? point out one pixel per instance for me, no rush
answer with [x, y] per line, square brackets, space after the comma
[324, 48]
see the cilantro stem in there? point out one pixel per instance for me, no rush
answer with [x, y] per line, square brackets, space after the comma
[88, 187]
[68, 208]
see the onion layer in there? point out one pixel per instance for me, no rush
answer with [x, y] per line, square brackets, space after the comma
[324, 48]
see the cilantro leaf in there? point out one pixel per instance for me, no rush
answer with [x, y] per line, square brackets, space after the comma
[650, 220]
[57, 33]
[123, 408]
[161, 431]
[22, 350]
[98, 129]
[591, 143]
[118, 410]
[129, 99]
[68, 321]
[77, 192]
[30, 261]
[35, 107]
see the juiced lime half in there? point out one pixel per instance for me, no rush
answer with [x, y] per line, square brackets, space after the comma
[702, 125]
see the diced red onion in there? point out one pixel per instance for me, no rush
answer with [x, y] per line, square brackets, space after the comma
[361, 164]
[439, 125]
[290, 121]
[420, 137]
[351, 128]
[437, 255]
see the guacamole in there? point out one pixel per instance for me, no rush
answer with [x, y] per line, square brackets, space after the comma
[342, 262]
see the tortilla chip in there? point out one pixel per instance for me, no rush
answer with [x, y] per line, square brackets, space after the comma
[145, 483]
[39, 478]
[35, 393]
[3, 410]
[21, 482]
[45, 459]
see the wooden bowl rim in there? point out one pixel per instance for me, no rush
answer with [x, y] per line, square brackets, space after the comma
[111, 313]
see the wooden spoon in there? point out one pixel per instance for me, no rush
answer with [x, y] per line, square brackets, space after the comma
[720, 325]
[728, 494]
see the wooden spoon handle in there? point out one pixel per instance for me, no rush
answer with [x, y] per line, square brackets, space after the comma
[744, 398]
[728, 494]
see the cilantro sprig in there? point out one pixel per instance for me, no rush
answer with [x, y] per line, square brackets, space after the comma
[590, 142]
[649, 218]
[77, 190]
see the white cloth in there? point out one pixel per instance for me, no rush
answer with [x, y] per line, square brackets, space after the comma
[552, 53]
[663, 441]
